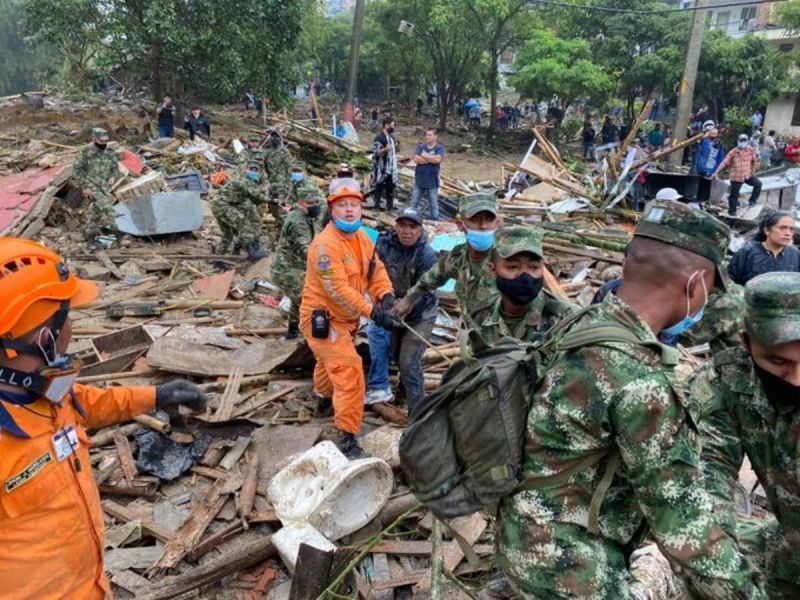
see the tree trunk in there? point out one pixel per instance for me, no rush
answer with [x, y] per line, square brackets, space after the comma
[494, 56]
[443, 101]
[155, 70]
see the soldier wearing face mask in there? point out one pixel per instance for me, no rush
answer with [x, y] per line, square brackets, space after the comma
[97, 169]
[466, 263]
[748, 399]
[289, 261]
[278, 162]
[522, 310]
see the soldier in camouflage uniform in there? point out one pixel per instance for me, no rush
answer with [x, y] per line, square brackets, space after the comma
[252, 151]
[611, 449]
[521, 310]
[97, 169]
[289, 259]
[277, 166]
[749, 400]
[237, 209]
[466, 263]
[299, 178]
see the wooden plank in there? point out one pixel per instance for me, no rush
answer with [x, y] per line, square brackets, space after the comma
[235, 453]
[125, 295]
[189, 534]
[248, 494]
[124, 514]
[230, 396]
[553, 286]
[311, 573]
[102, 256]
[125, 457]
[419, 548]
[251, 551]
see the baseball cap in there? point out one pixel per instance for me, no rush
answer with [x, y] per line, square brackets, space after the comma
[100, 134]
[513, 239]
[670, 194]
[411, 214]
[693, 230]
[773, 308]
[472, 204]
[743, 137]
[254, 137]
[709, 125]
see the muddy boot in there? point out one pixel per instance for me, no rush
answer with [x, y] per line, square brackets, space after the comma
[255, 253]
[293, 332]
[324, 407]
[349, 446]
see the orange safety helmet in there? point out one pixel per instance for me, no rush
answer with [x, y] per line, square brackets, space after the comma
[344, 187]
[34, 284]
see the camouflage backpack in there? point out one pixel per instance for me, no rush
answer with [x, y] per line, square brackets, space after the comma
[463, 450]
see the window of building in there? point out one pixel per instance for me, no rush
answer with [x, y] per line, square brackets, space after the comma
[748, 20]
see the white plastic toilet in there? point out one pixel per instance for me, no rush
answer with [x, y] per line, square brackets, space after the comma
[321, 496]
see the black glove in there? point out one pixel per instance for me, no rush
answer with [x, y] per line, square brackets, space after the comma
[179, 391]
[382, 313]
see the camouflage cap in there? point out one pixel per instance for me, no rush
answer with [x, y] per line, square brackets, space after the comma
[257, 153]
[513, 239]
[298, 165]
[693, 230]
[309, 193]
[773, 308]
[100, 134]
[253, 137]
[472, 204]
[255, 164]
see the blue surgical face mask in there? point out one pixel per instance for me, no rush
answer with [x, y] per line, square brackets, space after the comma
[689, 320]
[253, 176]
[480, 240]
[297, 177]
[346, 227]
[743, 145]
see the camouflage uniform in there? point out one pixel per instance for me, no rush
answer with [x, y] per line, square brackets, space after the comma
[722, 321]
[739, 418]
[93, 168]
[543, 312]
[613, 416]
[237, 209]
[289, 259]
[475, 287]
[277, 167]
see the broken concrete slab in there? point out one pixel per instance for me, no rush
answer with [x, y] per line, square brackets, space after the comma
[161, 213]
[275, 447]
[121, 559]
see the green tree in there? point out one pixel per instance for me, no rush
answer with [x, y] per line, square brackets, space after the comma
[25, 63]
[550, 66]
[501, 24]
[197, 48]
[789, 15]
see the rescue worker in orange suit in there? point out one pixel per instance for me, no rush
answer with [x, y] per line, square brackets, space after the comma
[341, 267]
[51, 523]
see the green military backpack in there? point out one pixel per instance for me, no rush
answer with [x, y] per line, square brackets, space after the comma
[462, 451]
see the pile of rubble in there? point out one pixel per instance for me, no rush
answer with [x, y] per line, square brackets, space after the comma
[188, 502]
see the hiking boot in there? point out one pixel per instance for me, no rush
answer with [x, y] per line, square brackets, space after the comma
[324, 407]
[349, 446]
[255, 253]
[374, 396]
[293, 332]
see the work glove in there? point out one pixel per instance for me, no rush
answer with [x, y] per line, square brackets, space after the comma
[382, 314]
[172, 394]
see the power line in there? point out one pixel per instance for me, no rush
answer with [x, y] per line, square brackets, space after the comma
[634, 11]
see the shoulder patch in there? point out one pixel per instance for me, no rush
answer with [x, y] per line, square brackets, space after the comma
[324, 264]
[28, 473]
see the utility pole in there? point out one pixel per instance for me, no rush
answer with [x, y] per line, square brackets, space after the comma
[686, 86]
[352, 71]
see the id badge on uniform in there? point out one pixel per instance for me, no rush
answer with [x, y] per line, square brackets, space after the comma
[65, 441]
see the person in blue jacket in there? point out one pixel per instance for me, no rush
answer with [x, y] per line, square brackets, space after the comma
[711, 154]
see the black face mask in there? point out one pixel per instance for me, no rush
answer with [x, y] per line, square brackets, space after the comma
[100, 146]
[779, 391]
[313, 211]
[522, 290]
[390, 130]
[274, 142]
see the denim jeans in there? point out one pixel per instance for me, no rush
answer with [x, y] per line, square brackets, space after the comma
[166, 132]
[409, 360]
[433, 200]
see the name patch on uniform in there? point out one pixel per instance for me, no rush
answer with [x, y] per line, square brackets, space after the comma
[324, 264]
[655, 215]
[29, 473]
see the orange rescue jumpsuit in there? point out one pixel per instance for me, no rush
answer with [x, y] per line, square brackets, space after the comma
[336, 279]
[51, 523]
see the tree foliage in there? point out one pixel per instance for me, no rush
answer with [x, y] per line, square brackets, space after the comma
[24, 62]
[197, 48]
[549, 66]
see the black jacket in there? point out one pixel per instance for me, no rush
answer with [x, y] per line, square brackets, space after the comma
[406, 266]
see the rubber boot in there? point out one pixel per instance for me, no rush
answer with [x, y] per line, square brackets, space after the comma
[324, 407]
[255, 253]
[293, 332]
[349, 446]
